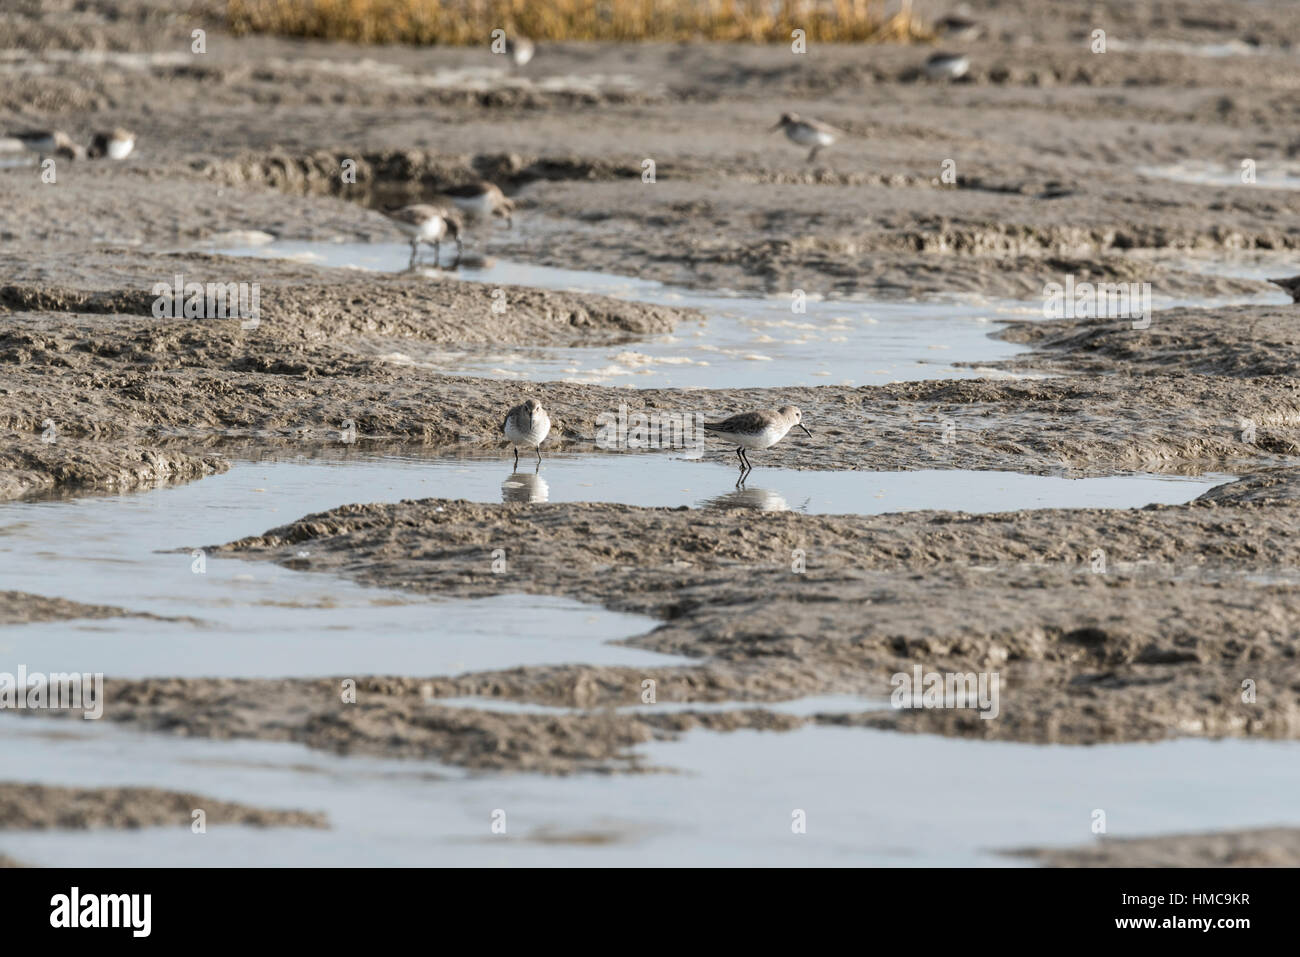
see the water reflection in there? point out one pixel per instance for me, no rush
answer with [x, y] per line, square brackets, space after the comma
[525, 487]
[432, 266]
[765, 500]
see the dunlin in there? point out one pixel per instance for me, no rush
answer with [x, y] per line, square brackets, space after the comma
[48, 143]
[1292, 286]
[807, 132]
[957, 28]
[115, 145]
[947, 66]
[428, 223]
[527, 424]
[481, 200]
[520, 49]
[757, 430]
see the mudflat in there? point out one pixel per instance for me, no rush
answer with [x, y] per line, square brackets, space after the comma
[1049, 161]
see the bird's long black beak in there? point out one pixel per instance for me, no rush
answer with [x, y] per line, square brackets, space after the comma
[805, 430]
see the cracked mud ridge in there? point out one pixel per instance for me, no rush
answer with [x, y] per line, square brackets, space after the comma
[1112, 626]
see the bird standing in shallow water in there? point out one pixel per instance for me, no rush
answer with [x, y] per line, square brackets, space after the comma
[757, 430]
[807, 132]
[428, 223]
[527, 424]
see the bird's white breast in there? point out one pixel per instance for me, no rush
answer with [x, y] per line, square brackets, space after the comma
[432, 228]
[765, 439]
[480, 205]
[517, 430]
[807, 136]
[952, 69]
[120, 149]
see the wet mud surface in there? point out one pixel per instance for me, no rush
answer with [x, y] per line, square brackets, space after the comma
[1047, 143]
[123, 402]
[1267, 847]
[17, 608]
[37, 807]
[1157, 645]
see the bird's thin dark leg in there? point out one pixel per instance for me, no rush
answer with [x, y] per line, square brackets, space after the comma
[813, 155]
[415, 251]
[516, 458]
[437, 252]
[460, 248]
[740, 454]
[539, 455]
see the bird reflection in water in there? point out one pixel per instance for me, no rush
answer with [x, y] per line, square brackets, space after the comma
[765, 500]
[525, 487]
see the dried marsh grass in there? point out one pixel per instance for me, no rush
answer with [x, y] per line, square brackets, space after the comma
[471, 22]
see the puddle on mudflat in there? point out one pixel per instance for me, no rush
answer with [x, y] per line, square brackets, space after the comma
[1226, 48]
[256, 624]
[1261, 265]
[871, 798]
[746, 342]
[40, 61]
[1277, 174]
[261, 620]
[305, 485]
[258, 619]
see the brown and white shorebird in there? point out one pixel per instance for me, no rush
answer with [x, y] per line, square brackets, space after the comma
[527, 424]
[957, 27]
[807, 132]
[947, 66]
[757, 430]
[520, 49]
[482, 200]
[1292, 286]
[48, 143]
[116, 145]
[428, 223]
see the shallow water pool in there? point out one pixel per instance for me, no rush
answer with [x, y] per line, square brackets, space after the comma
[871, 798]
[256, 619]
[671, 480]
[746, 342]
[144, 551]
